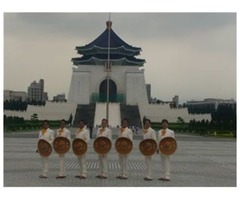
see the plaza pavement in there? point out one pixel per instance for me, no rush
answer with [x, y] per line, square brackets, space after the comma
[198, 162]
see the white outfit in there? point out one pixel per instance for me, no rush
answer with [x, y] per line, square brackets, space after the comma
[63, 133]
[165, 159]
[83, 134]
[123, 159]
[103, 161]
[149, 134]
[48, 136]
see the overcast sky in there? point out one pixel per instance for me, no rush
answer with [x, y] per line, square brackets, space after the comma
[192, 55]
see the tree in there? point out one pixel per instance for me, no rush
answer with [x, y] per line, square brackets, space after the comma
[180, 120]
[225, 117]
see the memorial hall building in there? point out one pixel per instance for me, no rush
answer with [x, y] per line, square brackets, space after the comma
[126, 79]
[108, 61]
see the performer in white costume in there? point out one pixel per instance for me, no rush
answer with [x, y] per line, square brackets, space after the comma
[47, 134]
[63, 132]
[103, 131]
[123, 159]
[148, 133]
[165, 159]
[82, 133]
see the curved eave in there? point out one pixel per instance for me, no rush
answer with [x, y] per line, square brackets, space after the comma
[97, 49]
[97, 61]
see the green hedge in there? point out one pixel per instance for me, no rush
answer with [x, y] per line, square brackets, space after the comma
[29, 125]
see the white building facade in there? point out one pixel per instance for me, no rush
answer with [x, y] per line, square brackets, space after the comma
[85, 87]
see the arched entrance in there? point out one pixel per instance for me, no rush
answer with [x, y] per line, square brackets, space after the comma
[112, 91]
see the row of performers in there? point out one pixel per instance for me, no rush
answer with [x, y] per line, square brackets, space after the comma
[102, 145]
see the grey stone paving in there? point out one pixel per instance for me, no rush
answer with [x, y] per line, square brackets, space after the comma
[198, 162]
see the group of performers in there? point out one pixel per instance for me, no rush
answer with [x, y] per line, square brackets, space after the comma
[104, 132]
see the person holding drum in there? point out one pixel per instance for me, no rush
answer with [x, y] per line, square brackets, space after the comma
[165, 159]
[82, 133]
[46, 134]
[148, 133]
[63, 132]
[103, 131]
[124, 132]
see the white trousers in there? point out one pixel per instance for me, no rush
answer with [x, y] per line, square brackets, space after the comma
[103, 164]
[165, 160]
[123, 162]
[83, 165]
[45, 165]
[148, 161]
[62, 171]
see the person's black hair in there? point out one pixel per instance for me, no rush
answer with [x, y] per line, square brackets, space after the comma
[45, 121]
[82, 120]
[164, 120]
[63, 120]
[147, 120]
[125, 119]
[105, 120]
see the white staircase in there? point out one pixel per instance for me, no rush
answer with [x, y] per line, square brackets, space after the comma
[114, 114]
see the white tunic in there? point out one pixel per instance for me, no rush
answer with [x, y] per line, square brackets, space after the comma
[102, 159]
[48, 135]
[165, 159]
[149, 134]
[104, 132]
[127, 133]
[169, 133]
[83, 134]
[64, 133]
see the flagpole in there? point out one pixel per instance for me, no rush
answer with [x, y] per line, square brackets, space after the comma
[108, 67]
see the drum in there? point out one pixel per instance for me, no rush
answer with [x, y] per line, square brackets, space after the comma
[79, 146]
[44, 148]
[167, 145]
[61, 145]
[102, 145]
[148, 147]
[123, 145]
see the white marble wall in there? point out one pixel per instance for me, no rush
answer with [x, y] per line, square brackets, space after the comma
[135, 89]
[86, 80]
[80, 87]
[51, 111]
[157, 113]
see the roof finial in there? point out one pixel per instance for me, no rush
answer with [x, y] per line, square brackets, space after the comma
[109, 24]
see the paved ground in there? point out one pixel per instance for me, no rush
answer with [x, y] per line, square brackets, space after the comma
[198, 162]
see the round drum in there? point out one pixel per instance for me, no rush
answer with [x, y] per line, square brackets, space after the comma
[123, 145]
[102, 145]
[79, 146]
[148, 147]
[44, 148]
[167, 145]
[61, 145]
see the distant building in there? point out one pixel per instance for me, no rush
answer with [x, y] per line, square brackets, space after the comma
[212, 101]
[59, 98]
[175, 101]
[36, 91]
[15, 95]
[208, 105]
